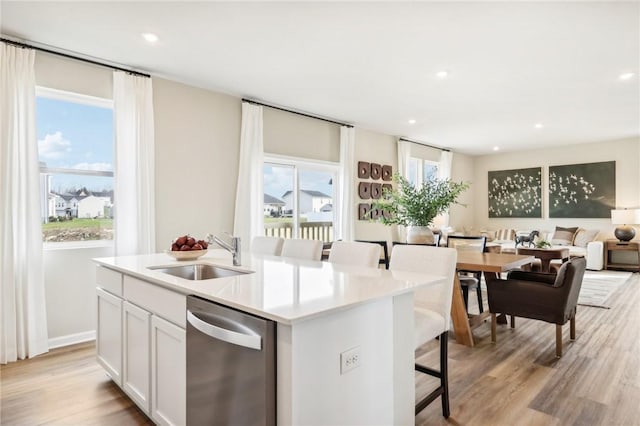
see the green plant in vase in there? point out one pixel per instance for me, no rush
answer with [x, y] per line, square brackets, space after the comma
[415, 207]
[543, 244]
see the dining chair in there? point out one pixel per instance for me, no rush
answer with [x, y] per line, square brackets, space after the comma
[302, 249]
[436, 242]
[385, 251]
[432, 309]
[355, 253]
[469, 282]
[267, 245]
[548, 297]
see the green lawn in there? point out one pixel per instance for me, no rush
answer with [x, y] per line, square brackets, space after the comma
[79, 223]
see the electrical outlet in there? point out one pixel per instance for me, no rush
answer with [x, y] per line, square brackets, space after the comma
[349, 359]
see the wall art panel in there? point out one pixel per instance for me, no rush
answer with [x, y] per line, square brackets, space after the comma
[515, 193]
[582, 190]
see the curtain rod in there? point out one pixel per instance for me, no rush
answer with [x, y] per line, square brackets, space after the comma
[296, 112]
[77, 58]
[424, 144]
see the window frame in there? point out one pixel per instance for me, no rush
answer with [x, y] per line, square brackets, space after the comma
[306, 164]
[45, 172]
[420, 164]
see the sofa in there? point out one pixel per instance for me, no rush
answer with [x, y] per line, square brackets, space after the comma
[580, 242]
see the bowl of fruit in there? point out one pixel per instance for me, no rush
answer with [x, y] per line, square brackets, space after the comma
[187, 247]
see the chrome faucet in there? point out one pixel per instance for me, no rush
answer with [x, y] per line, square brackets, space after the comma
[233, 248]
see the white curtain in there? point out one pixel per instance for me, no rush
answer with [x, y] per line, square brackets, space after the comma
[444, 168]
[444, 172]
[404, 150]
[346, 216]
[249, 218]
[23, 319]
[134, 197]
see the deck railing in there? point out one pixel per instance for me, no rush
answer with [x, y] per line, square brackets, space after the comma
[322, 231]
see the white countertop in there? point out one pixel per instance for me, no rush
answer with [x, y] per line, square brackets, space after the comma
[282, 289]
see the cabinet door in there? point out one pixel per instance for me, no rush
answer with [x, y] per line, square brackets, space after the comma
[109, 334]
[136, 366]
[168, 373]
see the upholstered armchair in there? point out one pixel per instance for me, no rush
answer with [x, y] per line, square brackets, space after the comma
[542, 296]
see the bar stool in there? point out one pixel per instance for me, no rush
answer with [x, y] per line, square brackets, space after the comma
[432, 308]
[267, 245]
[355, 253]
[302, 249]
[385, 260]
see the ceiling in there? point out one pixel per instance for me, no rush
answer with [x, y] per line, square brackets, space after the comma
[511, 65]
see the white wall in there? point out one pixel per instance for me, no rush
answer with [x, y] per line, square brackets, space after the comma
[197, 136]
[463, 214]
[59, 73]
[374, 148]
[294, 135]
[626, 154]
[70, 291]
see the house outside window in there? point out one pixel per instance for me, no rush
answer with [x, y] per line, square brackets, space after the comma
[299, 198]
[76, 152]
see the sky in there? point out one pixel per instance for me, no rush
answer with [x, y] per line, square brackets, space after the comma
[76, 136]
[279, 179]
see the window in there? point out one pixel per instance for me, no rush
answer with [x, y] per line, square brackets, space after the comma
[75, 149]
[299, 198]
[420, 170]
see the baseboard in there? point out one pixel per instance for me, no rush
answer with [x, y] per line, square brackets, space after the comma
[72, 339]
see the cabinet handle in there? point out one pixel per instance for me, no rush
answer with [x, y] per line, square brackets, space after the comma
[252, 341]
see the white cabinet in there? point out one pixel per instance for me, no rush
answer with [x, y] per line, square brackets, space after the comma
[136, 354]
[168, 372]
[109, 334]
[141, 343]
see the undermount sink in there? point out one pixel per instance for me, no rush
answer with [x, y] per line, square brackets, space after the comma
[198, 271]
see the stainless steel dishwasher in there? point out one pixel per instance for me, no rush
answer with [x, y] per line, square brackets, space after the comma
[230, 366]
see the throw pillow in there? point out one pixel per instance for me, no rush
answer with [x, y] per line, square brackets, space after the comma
[506, 234]
[584, 236]
[563, 236]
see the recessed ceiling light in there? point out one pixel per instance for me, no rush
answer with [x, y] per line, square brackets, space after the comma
[496, 148]
[626, 76]
[538, 125]
[412, 121]
[442, 74]
[150, 37]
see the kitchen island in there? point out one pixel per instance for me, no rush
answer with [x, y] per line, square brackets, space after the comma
[321, 311]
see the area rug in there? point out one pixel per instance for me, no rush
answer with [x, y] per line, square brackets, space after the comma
[598, 286]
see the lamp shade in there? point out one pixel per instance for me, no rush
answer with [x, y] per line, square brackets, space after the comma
[625, 216]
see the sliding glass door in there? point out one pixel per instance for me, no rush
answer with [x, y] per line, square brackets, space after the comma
[299, 199]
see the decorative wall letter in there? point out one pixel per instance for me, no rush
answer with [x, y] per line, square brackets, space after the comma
[376, 171]
[363, 211]
[364, 190]
[364, 170]
[376, 190]
[387, 173]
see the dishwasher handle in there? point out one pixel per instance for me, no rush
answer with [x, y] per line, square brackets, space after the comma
[251, 341]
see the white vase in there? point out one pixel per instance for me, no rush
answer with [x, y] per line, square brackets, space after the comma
[420, 235]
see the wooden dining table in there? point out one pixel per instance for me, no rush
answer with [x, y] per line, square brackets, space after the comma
[491, 265]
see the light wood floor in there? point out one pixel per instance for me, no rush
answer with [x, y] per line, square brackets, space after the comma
[64, 387]
[517, 381]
